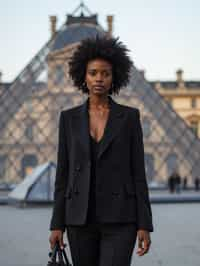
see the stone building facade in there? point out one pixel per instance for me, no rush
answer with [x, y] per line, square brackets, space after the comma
[184, 98]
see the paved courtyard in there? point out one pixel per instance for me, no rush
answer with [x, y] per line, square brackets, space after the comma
[175, 242]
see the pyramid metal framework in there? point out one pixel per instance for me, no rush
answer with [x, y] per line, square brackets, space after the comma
[30, 107]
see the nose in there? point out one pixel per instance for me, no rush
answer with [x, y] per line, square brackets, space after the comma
[99, 77]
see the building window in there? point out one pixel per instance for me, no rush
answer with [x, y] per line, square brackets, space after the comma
[193, 103]
[169, 100]
[146, 125]
[172, 163]
[59, 75]
[149, 166]
[29, 131]
[194, 127]
[29, 106]
[2, 166]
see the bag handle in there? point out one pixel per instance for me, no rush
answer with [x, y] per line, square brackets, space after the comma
[65, 257]
[53, 254]
[61, 253]
[60, 257]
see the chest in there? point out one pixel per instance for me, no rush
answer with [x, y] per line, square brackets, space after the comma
[97, 124]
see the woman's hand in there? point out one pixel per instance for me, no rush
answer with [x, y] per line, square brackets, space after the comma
[144, 242]
[56, 235]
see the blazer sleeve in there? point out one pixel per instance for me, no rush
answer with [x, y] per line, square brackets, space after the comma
[58, 215]
[144, 212]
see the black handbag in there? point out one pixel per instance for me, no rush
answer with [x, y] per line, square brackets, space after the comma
[58, 257]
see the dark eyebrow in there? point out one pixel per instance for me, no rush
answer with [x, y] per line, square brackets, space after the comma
[94, 69]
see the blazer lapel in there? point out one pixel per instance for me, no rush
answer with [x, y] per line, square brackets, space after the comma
[113, 126]
[80, 127]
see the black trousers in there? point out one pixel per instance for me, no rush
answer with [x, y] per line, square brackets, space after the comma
[102, 244]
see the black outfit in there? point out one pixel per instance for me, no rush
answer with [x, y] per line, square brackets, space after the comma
[110, 178]
[91, 215]
[102, 244]
[97, 243]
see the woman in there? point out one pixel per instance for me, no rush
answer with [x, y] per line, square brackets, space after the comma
[101, 194]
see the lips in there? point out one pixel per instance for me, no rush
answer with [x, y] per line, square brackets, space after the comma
[98, 87]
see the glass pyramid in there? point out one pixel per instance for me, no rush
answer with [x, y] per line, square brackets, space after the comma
[30, 107]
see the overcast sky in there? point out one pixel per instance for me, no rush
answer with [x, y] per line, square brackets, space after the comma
[162, 35]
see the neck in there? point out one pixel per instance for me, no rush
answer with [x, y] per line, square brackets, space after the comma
[101, 101]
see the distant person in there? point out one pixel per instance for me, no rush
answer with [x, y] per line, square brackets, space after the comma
[171, 183]
[185, 183]
[196, 183]
[101, 195]
[177, 180]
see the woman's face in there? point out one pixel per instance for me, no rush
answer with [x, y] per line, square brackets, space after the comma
[98, 76]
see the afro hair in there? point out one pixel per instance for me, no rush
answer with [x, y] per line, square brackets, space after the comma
[107, 48]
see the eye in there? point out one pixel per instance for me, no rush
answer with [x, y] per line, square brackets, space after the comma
[107, 74]
[92, 72]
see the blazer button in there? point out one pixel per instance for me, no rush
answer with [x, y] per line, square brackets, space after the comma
[69, 195]
[75, 189]
[78, 167]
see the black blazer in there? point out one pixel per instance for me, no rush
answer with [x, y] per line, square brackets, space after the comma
[121, 189]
